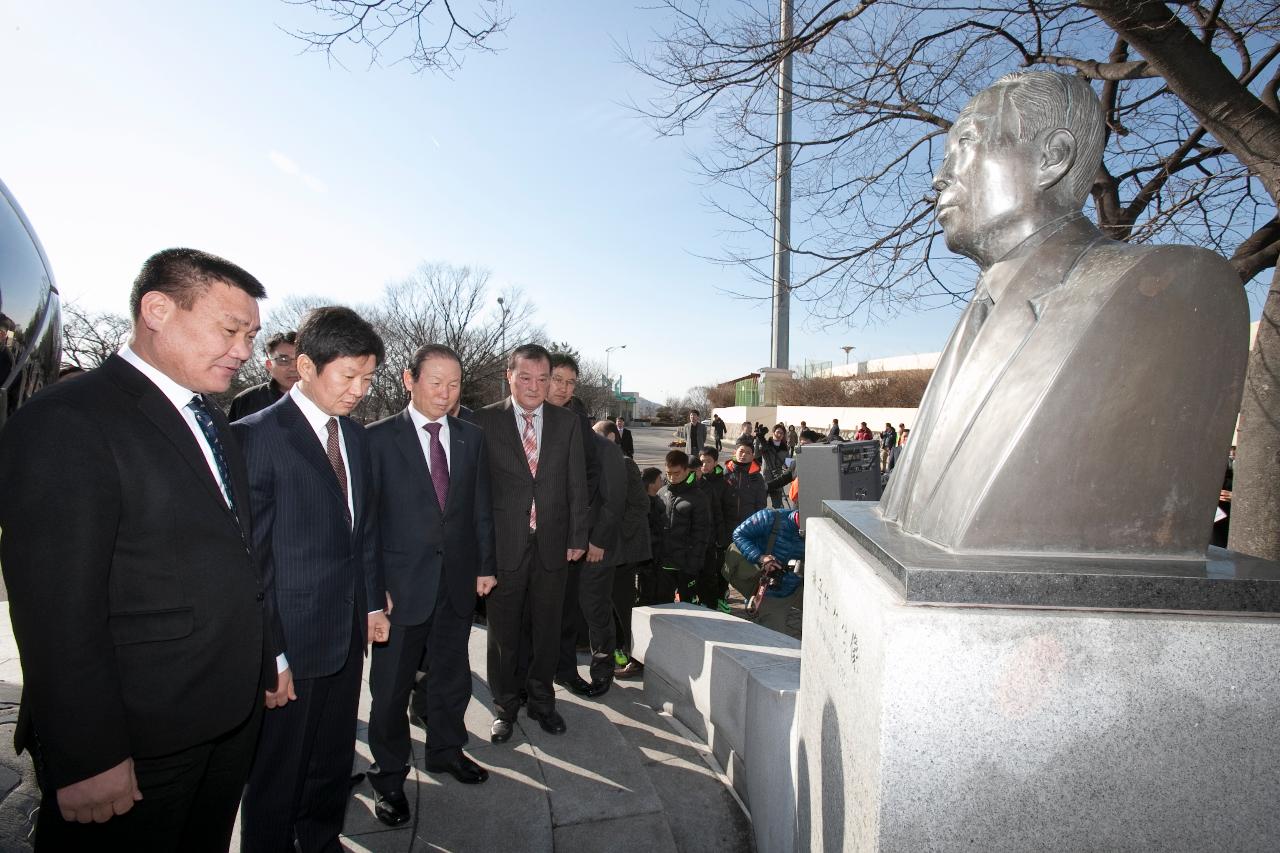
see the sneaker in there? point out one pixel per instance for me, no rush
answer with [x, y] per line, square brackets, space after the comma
[722, 606]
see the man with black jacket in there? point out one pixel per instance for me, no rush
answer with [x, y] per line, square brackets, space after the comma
[745, 481]
[687, 529]
[282, 372]
[724, 507]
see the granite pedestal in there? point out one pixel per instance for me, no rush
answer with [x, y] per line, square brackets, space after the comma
[1058, 718]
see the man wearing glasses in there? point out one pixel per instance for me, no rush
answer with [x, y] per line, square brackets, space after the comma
[281, 349]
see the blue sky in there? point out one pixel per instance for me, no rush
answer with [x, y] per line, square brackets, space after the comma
[129, 127]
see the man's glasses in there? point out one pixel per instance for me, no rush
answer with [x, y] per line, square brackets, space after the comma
[283, 360]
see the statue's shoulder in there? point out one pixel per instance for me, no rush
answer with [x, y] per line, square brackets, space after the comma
[1169, 270]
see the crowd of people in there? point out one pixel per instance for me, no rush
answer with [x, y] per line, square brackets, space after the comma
[215, 582]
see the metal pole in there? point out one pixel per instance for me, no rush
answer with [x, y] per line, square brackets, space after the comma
[782, 205]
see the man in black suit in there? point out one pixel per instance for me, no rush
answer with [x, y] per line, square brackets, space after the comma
[282, 373]
[135, 602]
[431, 534]
[539, 494]
[697, 433]
[625, 440]
[309, 475]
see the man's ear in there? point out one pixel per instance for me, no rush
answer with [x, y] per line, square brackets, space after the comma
[1056, 156]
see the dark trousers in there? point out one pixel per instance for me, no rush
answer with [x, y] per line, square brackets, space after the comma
[541, 591]
[446, 687]
[711, 583]
[593, 598]
[189, 800]
[301, 777]
[624, 598]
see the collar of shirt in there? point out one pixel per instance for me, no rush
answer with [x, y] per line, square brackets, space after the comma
[181, 398]
[177, 395]
[424, 438]
[315, 416]
[996, 280]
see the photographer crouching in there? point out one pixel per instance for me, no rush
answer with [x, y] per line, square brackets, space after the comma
[765, 565]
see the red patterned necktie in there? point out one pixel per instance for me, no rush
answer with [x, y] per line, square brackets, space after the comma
[439, 465]
[334, 450]
[531, 455]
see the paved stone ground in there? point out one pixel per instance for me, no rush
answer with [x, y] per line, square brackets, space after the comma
[622, 779]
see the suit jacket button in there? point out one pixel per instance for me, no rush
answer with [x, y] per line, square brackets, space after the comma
[260, 596]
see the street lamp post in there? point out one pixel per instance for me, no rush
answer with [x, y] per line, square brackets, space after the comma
[502, 340]
[847, 350]
[608, 350]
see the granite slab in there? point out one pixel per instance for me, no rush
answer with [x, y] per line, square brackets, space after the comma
[923, 573]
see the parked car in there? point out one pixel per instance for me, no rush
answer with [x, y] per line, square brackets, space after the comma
[30, 310]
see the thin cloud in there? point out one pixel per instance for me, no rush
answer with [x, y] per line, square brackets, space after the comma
[286, 165]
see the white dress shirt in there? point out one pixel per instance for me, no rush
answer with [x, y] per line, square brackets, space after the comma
[319, 422]
[180, 398]
[424, 438]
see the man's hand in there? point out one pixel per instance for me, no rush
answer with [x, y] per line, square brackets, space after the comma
[379, 627]
[283, 693]
[485, 584]
[594, 554]
[98, 798]
[390, 604]
[574, 554]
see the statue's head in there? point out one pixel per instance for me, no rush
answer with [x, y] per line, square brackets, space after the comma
[1023, 152]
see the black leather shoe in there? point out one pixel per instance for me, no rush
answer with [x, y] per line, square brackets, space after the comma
[522, 696]
[598, 687]
[576, 683]
[500, 731]
[461, 768]
[552, 723]
[418, 720]
[391, 809]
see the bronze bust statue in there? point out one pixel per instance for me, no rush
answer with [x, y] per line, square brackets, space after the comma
[1086, 400]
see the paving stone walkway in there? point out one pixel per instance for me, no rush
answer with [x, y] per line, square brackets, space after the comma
[622, 779]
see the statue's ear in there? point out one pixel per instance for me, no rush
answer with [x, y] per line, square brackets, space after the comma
[1056, 156]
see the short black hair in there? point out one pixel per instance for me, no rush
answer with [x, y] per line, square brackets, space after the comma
[710, 451]
[605, 428]
[563, 359]
[427, 351]
[678, 457]
[694, 412]
[529, 352]
[810, 436]
[184, 274]
[620, 418]
[334, 332]
[279, 338]
[651, 475]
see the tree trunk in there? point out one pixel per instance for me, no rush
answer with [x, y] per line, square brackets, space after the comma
[1255, 495]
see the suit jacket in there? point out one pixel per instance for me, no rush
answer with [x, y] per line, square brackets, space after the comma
[560, 487]
[697, 438]
[634, 545]
[1142, 340]
[313, 564]
[627, 442]
[136, 605]
[411, 541]
[610, 502]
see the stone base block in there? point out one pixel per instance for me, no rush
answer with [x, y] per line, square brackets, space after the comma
[993, 729]
[733, 684]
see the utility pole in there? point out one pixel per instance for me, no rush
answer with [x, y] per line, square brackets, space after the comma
[782, 205]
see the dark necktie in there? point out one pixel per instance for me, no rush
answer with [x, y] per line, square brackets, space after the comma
[439, 465]
[334, 450]
[205, 420]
